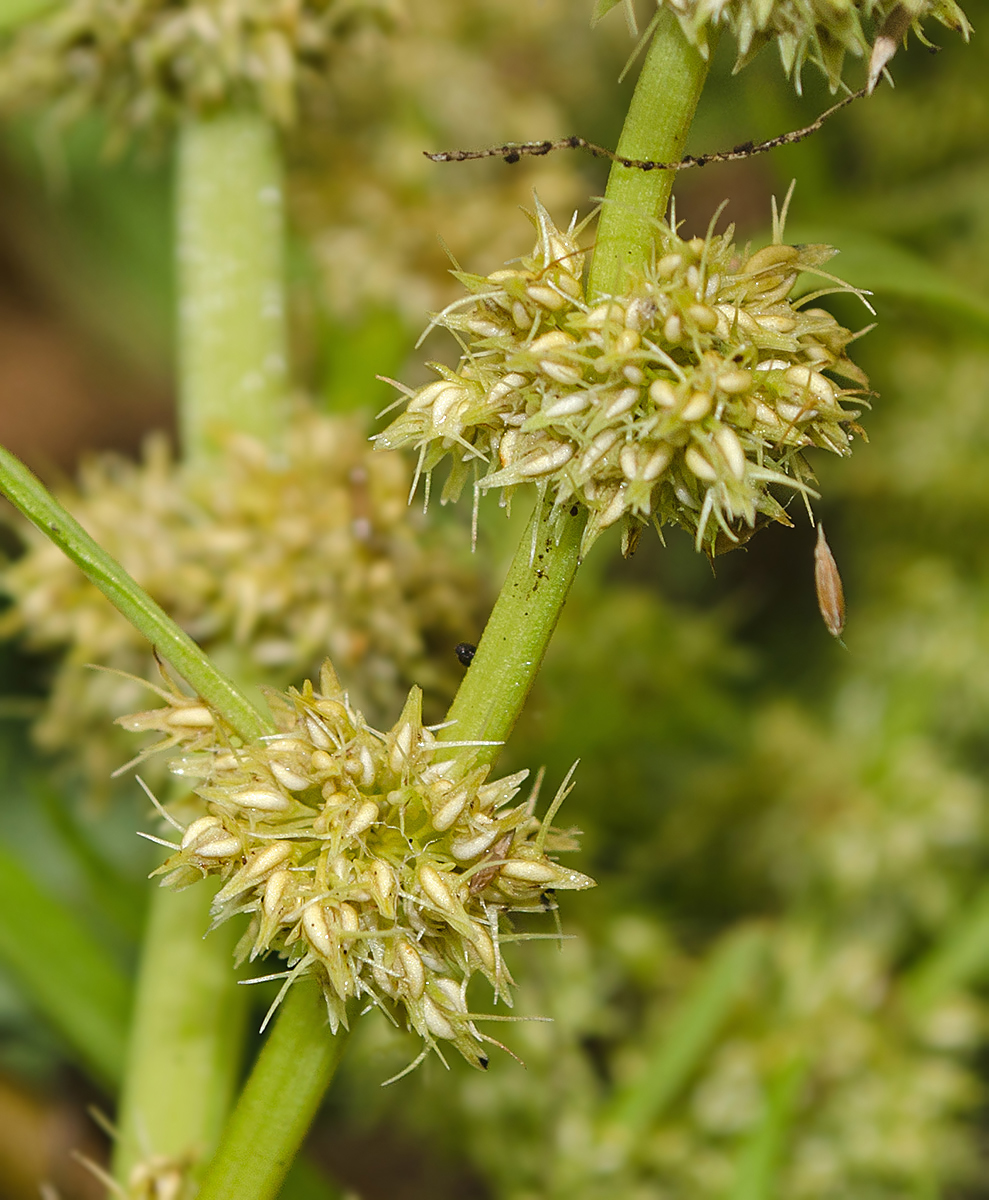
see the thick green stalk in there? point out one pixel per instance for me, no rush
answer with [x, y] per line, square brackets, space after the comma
[233, 361]
[186, 1036]
[656, 128]
[279, 1101]
[30, 496]
[518, 632]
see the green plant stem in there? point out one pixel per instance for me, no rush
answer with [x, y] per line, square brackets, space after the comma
[233, 361]
[522, 622]
[30, 497]
[516, 635]
[279, 1101]
[186, 1036]
[656, 128]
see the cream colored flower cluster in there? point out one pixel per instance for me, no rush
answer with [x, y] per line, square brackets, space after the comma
[147, 63]
[687, 400]
[271, 563]
[820, 31]
[369, 860]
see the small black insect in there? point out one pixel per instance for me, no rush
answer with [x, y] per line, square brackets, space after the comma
[465, 652]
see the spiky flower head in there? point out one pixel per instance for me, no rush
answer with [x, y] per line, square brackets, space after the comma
[819, 31]
[685, 400]
[269, 562]
[148, 63]
[375, 862]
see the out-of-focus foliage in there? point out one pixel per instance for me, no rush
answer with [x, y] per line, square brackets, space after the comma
[271, 564]
[777, 986]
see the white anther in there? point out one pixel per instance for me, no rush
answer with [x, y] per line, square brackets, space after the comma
[546, 297]
[436, 1023]
[667, 265]
[598, 448]
[697, 463]
[661, 392]
[727, 442]
[288, 778]
[451, 809]
[318, 735]
[225, 847]
[198, 828]
[435, 888]
[384, 880]
[318, 931]
[529, 871]
[274, 889]
[265, 862]
[363, 819]
[465, 848]
[657, 464]
[627, 341]
[349, 920]
[819, 387]
[568, 376]
[625, 400]
[549, 460]
[196, 716]
[262, 799]
[551, 341]
[567, 406]
[698, 406]
[412, 968]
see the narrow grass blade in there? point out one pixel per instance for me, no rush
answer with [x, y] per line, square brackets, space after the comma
[30, 496]
[700, 1015]
[960, 958]
[64, 972]
[764, 1151]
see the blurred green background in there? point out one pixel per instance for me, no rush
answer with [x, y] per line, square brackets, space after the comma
[778, 988]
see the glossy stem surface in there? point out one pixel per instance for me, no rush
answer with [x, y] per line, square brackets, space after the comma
[279, 1101]
[656, 128]
[186, 1038]
[233, 358]
[30, 497]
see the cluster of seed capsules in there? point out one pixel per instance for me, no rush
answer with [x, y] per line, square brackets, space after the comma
[377, 862]
[805, 30]
[687, 400]
[149, 63]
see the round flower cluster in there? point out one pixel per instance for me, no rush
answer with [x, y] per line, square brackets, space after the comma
[148, 63]
[270, 563]
[372, 861]
[683, 401]
[803, 30]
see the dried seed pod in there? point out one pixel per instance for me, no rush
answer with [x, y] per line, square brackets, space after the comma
[830, 594]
